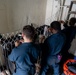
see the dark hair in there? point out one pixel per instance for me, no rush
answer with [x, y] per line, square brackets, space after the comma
[29, 31]
[72, 21]
[55, 25]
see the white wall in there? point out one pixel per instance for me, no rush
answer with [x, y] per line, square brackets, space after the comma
[51, 10]
[3, 17]
[14, 14]
[48, 11]
[24, 12]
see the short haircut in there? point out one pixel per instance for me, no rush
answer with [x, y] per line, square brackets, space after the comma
[55, 25]
[29, 31]
[72, 21]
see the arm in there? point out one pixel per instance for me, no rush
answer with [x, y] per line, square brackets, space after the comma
[12, 57]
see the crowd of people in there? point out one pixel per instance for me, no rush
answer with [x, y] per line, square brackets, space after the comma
[33, 57]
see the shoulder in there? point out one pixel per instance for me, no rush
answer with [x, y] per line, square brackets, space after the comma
[65, 29]
[62, 36]
[14, 50]
[35, 46]
[49, 39]
[17, 48]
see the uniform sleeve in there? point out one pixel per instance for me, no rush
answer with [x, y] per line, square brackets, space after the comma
[12, 57]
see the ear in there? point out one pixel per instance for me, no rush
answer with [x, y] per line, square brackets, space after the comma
[50, 29]
[22, 34]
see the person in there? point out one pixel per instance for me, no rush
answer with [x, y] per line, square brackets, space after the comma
[52, 47]
[70, 32]
[25, 56]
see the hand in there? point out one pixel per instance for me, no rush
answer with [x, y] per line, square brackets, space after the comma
[61, 21]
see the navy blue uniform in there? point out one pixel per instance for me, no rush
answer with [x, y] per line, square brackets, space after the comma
[70, 33]
[25, 56]
[53, 46]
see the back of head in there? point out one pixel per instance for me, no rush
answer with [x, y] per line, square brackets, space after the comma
[55, 25]
[29, 32]
[72, 21]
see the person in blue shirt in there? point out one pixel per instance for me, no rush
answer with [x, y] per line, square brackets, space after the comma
[52, 48]
[25, 55]
[70, 33]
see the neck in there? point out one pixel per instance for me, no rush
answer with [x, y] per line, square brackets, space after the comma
[27, 40]
[55, 31]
